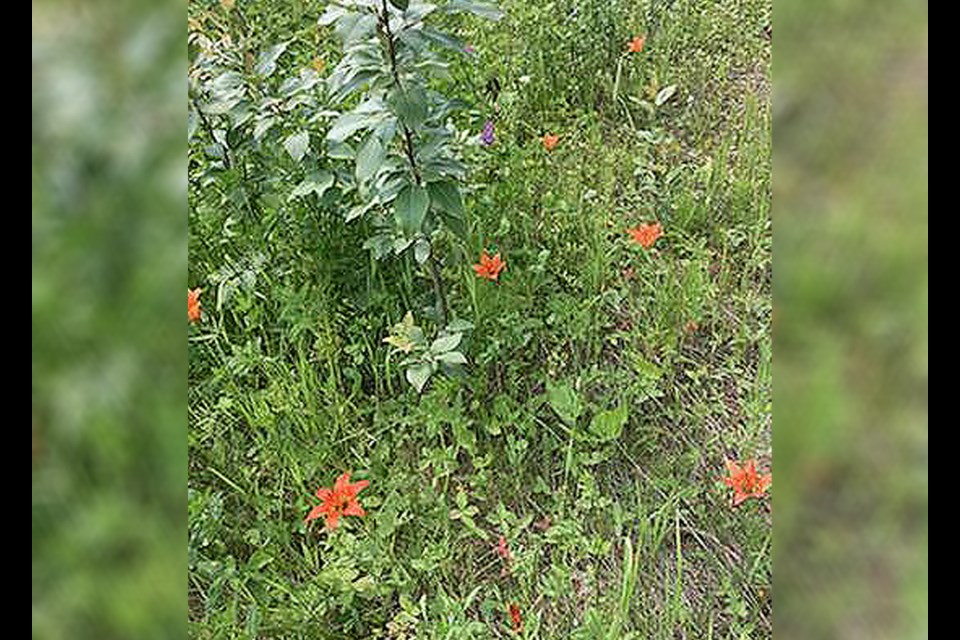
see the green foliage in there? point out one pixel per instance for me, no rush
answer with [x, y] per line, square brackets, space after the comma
[591, 399]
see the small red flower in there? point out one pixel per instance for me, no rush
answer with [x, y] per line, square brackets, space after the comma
[550, 141]
[488, 267]
[646, 234]
[745, 481]
[341, 500]
[193, 304]
[515, 619]
[503, 550]
[636, 45]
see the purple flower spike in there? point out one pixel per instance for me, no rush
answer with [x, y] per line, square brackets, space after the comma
[487, 136]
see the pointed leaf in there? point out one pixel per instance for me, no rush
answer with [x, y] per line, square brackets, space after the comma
[418, 374]
[369, 158]
[411, 207]
[410, 105]
[446, 343]
[452, 357]
[317, 182]
[297, 145]
[446, 196]
[608, 425]
[565, 402]
[267, 61]
[421, 250]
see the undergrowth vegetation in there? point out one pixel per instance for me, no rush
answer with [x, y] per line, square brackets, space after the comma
[541, 444]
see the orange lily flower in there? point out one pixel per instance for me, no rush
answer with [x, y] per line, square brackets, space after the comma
[550, 141]
[646, 234]
[488, 267]
[193, 304]
[636, 45]
[341, 500]
[745, 481]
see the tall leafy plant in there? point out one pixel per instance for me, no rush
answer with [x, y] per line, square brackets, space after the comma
[407, 171]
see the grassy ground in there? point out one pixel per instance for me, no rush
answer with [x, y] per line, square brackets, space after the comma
[290, 384]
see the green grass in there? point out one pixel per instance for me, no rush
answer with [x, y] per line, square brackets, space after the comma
[290, 383]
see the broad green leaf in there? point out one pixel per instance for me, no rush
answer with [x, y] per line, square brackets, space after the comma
[331, 15]
[400, 4]
[297, 145]
[359, 210]
[380, 245]
[456, 225]
[227, 82]
[341, 87]
[459, 326]
[411, 207]
[444, 40]
[483, 9]
[565, 402]
[445, 196]
[267, 61]
[349, 123]
[608, 425]
[421, 250]
[369, 158]
[340, 151]
[417, 11]
[452, 357]
[418, 374]
[410, 105]
[401, 244]
[317, 182]
[446, 343]
[354, 27]
[262, 126]
[665, 94]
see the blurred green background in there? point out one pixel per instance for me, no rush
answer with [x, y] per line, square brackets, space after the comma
[850, 319]
[109, 336]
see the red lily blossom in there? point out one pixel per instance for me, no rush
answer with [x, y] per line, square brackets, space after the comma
[636, 45]
[341, 500]
[515, 617]
[745, 481]
[550, 141]
[193, 304]
[646, 234]
[488, 267]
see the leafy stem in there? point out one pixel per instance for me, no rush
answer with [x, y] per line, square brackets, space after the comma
[383, 19]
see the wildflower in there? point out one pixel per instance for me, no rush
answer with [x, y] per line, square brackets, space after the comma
[636, 45]
[488, 267]
[468, 48]
[646, 234]
[341, 500]
[318, 64]
[745, 481]
[193, 304]
[550, 141]
[487, 136]
[503, 550]
[515, 618]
